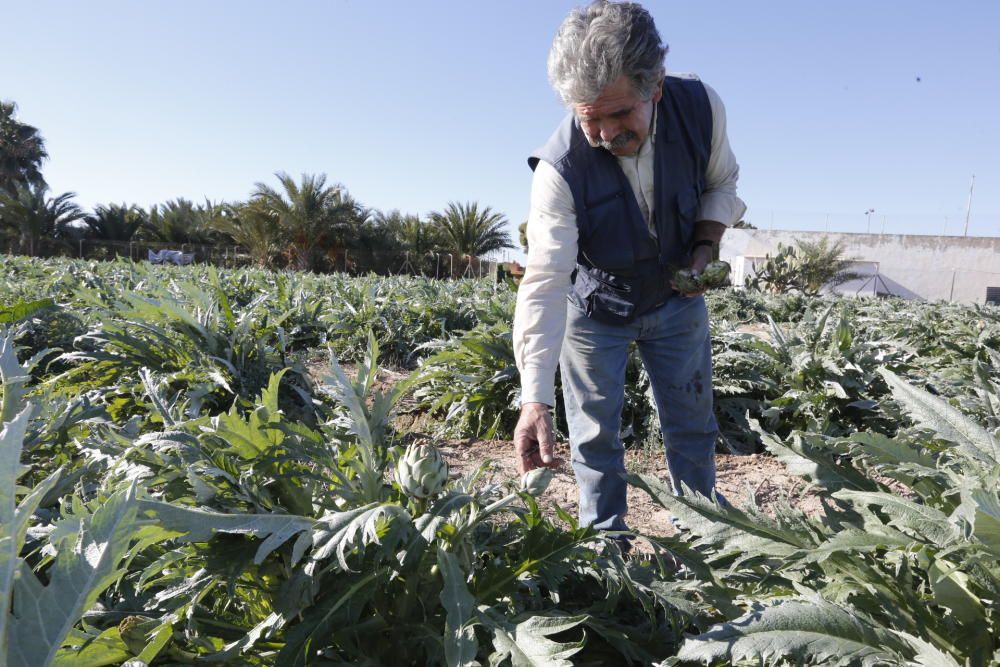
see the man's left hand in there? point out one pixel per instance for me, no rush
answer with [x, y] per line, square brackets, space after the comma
[700, 258]
[702, 255]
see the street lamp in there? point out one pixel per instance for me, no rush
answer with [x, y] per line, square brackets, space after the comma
[868, 214]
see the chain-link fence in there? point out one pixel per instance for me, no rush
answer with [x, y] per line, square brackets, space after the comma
[351, 260]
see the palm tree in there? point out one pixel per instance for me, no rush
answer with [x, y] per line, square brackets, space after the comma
[253, 227]
[116, 222]
[181, 221]
[312, 216]
[409, 232]
[349, 224]
[22, 150]
[31, 216]
[469, 232]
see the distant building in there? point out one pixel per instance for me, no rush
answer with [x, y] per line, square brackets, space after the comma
[933, 268]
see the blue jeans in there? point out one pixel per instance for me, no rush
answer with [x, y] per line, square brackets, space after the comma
[675, 348]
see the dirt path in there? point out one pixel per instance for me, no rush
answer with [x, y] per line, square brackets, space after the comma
[739, 478]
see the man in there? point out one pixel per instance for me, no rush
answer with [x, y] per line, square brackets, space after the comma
[637, 181]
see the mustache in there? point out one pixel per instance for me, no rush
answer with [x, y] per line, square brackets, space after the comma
[617, 143]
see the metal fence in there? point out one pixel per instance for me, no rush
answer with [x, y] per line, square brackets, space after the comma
[354, 261]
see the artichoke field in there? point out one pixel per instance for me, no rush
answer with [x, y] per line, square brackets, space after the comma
[180, 486]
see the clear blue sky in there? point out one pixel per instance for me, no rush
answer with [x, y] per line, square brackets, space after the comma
[412, 105]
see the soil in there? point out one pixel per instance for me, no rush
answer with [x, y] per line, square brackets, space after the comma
[758, 329]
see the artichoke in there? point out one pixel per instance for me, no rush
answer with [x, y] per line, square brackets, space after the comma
[535, 481]
[421, 471]
[713, 275]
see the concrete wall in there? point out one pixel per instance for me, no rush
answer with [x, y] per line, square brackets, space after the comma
[949, 268]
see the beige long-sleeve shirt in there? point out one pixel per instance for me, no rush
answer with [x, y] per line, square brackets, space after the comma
[540, 316]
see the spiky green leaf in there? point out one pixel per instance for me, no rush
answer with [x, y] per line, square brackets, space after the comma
[812, 629]
[197, 525]
[45, 614]
[460, 645]
[971, 439]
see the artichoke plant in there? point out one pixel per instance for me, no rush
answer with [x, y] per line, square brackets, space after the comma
[421, 471]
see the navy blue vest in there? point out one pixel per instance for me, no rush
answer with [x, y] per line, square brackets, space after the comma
[622, 272]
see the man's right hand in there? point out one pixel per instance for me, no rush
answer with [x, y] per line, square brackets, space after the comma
[534, 439]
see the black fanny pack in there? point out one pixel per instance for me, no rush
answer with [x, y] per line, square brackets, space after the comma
[619, 299]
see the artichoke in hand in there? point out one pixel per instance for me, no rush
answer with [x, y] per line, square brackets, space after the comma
[422, 472]
[714, 275]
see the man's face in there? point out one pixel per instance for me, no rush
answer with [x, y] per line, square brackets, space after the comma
[618, 120]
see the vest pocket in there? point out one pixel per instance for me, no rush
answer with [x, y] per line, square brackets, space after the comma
[604, 296]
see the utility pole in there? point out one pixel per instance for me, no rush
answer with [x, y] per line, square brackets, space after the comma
[968, 208]
[868, 216]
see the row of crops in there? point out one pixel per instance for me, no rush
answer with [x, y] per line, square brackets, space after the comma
[178, 487]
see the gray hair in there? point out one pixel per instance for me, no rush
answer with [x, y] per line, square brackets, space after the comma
[598, 43]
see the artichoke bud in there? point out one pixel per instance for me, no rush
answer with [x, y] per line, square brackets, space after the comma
[535, 481]
[715, 274]
[422, 472]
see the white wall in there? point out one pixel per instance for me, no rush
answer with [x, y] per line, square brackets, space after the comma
[955, 268]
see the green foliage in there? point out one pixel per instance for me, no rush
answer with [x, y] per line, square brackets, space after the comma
[22, 151]
[394, 231]
[29, 216]
[254, 227]
[807, 268]
[469, 232]
[250, 537]
[811, 628]
[474, 383]
[181, 221]
[21, 310]
[883, 576]
[312, 216]
[245, 514]
[821, 376]
[116, 222]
